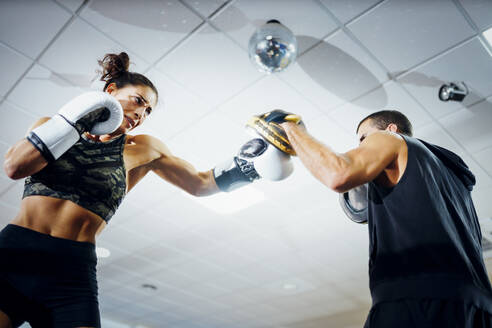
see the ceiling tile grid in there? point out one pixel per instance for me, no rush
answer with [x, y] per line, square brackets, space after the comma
[265, 95]
[48, 92]
[389, 96]
[178, 108]
[149, 28]
[206, 8]
[13, 65]
[346, 10]
[71, 5]
[454, 66]
[15, 127]
[479, 11]
[8, 211]
[5, 181]
[205, 54]
[29, 26]
[292, 260]
[485, 156]
[334, 72]
[307, 19]
[402, 35]
[471, 126]
[80, 66]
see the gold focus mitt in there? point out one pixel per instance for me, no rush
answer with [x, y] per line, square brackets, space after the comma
[267, 125]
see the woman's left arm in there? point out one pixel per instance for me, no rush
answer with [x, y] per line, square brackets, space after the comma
[176, 170]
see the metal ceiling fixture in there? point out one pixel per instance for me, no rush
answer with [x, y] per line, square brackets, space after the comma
[272, 47]
[453, 91]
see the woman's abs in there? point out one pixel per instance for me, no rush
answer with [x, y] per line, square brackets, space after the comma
[59, 218]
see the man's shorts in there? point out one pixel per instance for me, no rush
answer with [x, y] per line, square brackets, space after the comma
[427, 313]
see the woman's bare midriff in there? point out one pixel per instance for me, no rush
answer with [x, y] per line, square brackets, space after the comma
[59, 218]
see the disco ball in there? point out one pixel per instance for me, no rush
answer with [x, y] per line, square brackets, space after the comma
[272, 47]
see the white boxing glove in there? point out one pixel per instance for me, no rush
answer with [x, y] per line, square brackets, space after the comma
[95, 112]
[256, 159]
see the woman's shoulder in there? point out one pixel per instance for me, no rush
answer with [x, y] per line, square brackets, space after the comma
[146, 141]
[141, 139]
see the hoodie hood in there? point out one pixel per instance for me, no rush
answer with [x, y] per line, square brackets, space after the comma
[454, 163]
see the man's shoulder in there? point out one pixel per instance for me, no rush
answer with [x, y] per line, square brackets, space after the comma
[386, 139]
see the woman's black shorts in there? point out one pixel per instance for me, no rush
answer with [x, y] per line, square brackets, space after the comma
[47, 281]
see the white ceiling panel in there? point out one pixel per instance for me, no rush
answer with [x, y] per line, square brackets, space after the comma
[29, 25]
[13, 65]
[183, 211]
[149, 191]
[410, 31]
[483, 178]
[226, 258]
[222, 230]
[178, 108]
[204, 55]
[433, 133]
[205, 7]
[484, 157]
[13, 193]
[215, 145]
[233, 283]
[126, 239]
[152, 226]
[267, 94]
[390, 96]
[470, 63]
[191, 243]
[306, 19]
[329, 132]
[71, 5]
[8, 211]
[324, 72]
[172, 279]
[262, 274]
[15, 127]
[471, 126]
[47, 92]
[346, 10]
[260, 247]
[72, 58]
[480, 11]
[4, 147]
[483, 205]
[135, 23]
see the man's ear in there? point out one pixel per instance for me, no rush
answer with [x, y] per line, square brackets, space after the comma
[392, 127]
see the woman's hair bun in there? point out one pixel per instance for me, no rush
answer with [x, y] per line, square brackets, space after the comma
[114, 65]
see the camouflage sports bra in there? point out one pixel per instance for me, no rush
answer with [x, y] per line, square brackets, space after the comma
[90, 174]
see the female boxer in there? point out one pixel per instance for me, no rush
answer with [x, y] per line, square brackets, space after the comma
[79, 165]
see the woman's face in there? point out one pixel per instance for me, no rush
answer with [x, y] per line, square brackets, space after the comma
[137, 102]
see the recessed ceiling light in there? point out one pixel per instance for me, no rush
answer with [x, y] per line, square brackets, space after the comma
[102, 252]
[149, 286]
[289, 286]
[230, 202]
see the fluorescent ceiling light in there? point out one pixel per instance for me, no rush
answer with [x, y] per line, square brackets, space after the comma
[488, 36]
[102, 252]
[231, 202]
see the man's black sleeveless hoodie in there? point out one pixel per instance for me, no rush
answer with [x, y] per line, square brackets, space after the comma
[425, 239]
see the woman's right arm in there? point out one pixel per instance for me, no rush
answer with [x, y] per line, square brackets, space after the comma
[23, 159]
